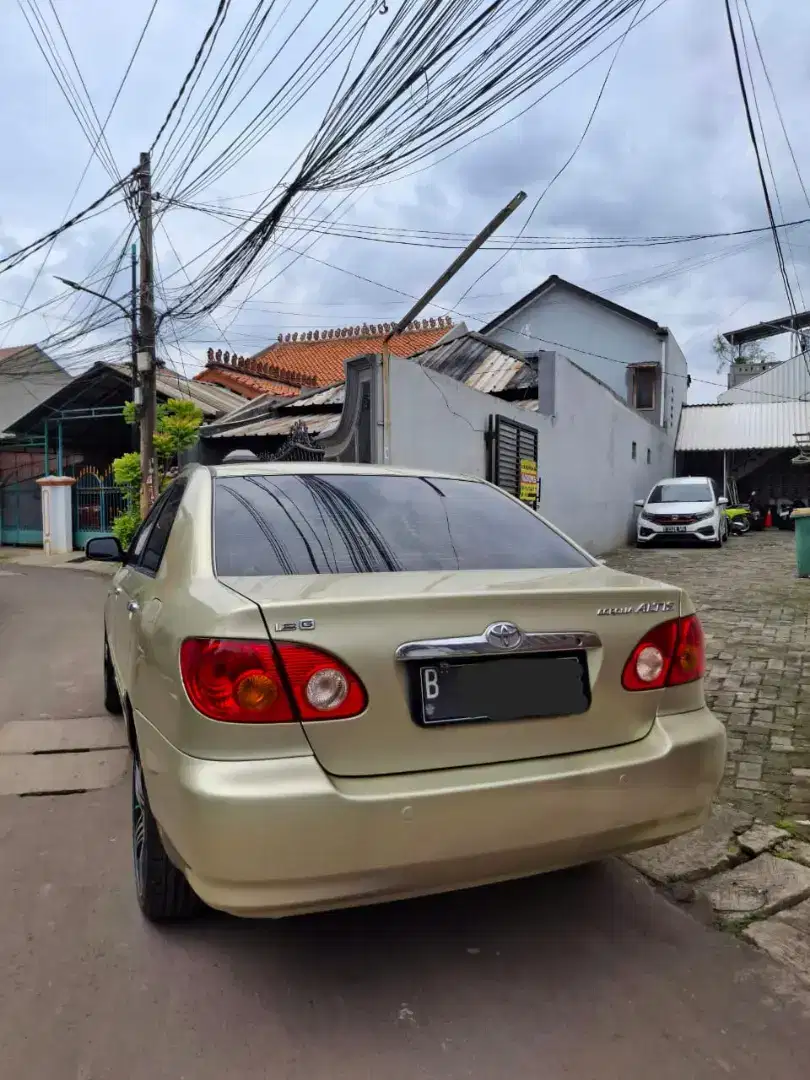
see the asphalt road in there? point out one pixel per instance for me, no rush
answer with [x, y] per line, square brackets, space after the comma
[588, 974]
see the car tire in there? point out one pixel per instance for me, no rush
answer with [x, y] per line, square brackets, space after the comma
[112, 699]
[724, 534]
[163, 893]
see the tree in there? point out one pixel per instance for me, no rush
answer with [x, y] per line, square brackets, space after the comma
[749, 353]
[176, 429]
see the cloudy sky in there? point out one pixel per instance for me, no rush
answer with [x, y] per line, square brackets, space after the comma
[667, 153]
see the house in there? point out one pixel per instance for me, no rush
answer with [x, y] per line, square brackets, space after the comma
[78, 430]
[313, 358]
[751, 373]
[475, 406]
[785, 381]
[27, 377]
[639, 360]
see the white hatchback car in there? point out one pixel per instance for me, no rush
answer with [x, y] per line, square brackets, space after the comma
[683, 508]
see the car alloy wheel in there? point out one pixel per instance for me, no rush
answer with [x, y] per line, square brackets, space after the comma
[163, 893]
[138, 827]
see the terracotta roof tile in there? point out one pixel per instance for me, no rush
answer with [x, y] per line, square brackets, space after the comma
[325, 357]
[244, 384]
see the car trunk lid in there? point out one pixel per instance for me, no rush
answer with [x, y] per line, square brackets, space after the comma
[589, 620]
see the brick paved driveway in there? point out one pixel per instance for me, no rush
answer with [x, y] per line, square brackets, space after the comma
[756, 614]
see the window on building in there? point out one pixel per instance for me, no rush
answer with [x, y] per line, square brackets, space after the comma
[634, 452]
[644, 382]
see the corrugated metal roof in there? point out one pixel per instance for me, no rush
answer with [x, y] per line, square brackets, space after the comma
[749, 426]
[331, 395]
[212, 400]
[317, 424]
[789, 381]
[481, 364]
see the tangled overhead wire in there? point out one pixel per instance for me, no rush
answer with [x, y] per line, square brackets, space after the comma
[8, 262]
[477, 57]
[456, 241]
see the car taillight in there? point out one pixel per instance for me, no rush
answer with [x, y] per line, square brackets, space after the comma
[670, 654]
[251, 682]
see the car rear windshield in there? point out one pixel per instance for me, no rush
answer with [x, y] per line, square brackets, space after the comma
[353, 523]
[676, 493]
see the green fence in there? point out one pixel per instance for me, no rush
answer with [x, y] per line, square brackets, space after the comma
[97, 502]
[21, 513]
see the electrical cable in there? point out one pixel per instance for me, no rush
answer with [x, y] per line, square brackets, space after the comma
[753, 137]
[86, 169]
[210, 36]
[8, 262]
[421, 43]
[569, 159]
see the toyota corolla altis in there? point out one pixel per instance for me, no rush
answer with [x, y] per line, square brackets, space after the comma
[347, 684]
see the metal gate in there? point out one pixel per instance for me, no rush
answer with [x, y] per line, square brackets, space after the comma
[21, 513]
[513, 461]
[97, 502]
[299, 446]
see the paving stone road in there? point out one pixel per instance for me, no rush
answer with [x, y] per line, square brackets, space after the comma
[756, 615]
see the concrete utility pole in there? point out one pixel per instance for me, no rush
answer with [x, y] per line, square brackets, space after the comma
[146, 340]
[133, 251]
[425, 299]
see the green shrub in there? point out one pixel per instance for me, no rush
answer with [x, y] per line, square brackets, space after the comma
[126, 525]
[176, 430]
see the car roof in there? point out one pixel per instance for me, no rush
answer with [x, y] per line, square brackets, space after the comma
[324, 468]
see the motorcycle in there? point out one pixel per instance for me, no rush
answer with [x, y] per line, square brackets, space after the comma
[783, 510]
[738, 514]
[739, 519]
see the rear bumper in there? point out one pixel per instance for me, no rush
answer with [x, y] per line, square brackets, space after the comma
[281, 837]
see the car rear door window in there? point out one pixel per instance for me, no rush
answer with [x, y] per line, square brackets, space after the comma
[355, 523]
[152, 553]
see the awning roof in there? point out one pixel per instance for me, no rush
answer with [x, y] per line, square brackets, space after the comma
[760, 331]
[748, 426]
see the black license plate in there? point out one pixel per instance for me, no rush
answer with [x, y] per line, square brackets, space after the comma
[509, 688]
[674, 528]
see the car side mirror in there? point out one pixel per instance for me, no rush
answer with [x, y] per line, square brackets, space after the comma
[639, 503]
[104, 549]
[722, 501]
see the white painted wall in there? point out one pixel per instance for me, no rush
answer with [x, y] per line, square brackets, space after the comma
[788, 381]
[589, 478]
[600, 341]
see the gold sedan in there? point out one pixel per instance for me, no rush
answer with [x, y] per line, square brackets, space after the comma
[346, 684]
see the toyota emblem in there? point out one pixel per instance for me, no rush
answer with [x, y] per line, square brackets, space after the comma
[504, 635]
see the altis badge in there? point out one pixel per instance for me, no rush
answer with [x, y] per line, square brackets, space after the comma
[649, 607]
